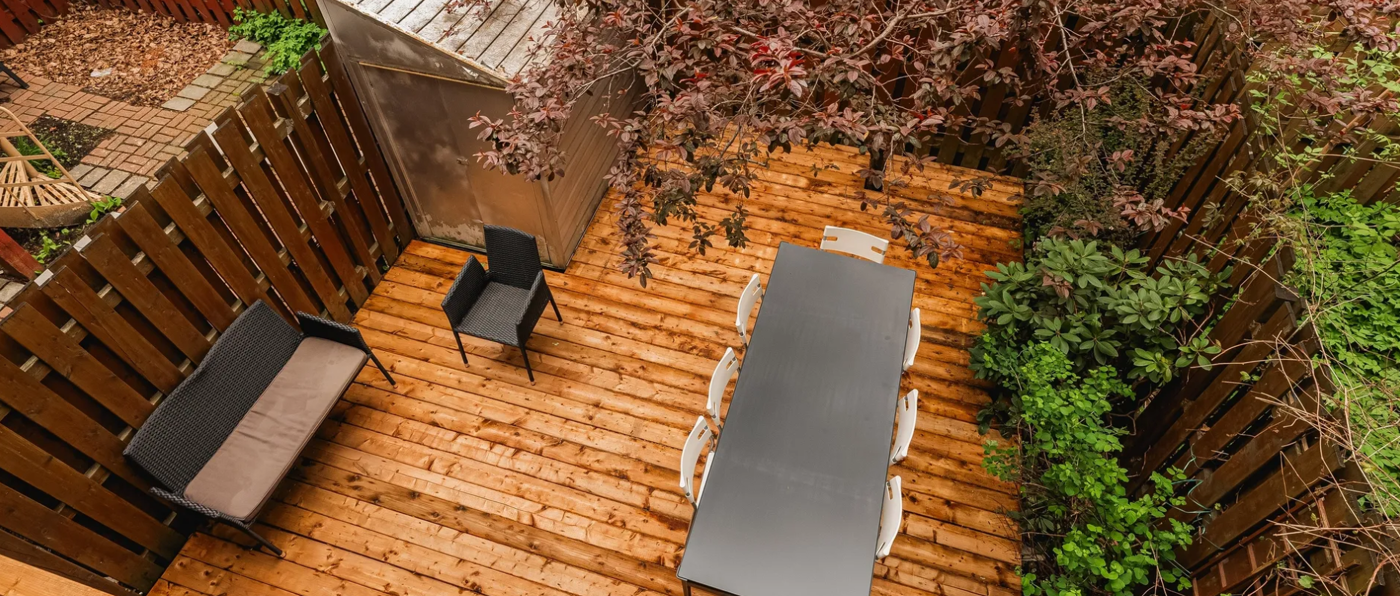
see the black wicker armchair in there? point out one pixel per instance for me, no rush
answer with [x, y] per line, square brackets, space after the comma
[228, 434]
[504, 303]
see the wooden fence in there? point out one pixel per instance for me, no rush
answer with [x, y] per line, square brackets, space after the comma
[290, 202]
[219, 11]
[1245, 432]
[21, 18]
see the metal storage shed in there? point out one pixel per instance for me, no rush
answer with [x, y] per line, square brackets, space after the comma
[422, 70]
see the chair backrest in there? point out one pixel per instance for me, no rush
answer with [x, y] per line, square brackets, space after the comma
[855, 243]
[690, 456]
[514, 256]
[905, 420]
[719, 380]
[747, 300]
[890, 517]
[911, 339]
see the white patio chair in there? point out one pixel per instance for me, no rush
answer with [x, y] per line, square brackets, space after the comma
[747, 300]
[911, 339]
[690, 456]
[904, 422]
[719, 380]
[855, 243]
[890, 517]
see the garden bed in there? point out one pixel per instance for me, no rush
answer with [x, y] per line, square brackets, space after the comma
[66, 140]
[141, 58]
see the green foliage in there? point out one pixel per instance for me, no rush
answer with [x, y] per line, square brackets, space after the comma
[49, 248]
[1099, 306]
[1349, 272]
[102, 207]
[1074, 504]
[286, 40]
[45, 167]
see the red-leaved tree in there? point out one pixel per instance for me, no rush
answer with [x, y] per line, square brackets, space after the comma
[724, 83]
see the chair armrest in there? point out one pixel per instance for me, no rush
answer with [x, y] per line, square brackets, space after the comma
[539, 298]
[465, 291]
[314, 326]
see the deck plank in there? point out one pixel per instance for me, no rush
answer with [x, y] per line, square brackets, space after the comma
[473, 479]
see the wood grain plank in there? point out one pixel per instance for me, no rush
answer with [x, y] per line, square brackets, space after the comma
[92, 312]
[274, 210]
[249, 235]
[66, 357]
[295, 180]
[116, 267]
[138, 225]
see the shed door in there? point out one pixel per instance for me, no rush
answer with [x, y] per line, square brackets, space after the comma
[432, 164]
[427, 120]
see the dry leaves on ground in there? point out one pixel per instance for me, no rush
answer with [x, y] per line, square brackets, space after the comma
[151, 57]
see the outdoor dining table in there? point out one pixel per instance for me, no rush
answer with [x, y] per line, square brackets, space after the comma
[792, 502]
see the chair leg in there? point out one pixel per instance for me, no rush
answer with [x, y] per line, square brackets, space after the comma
[556, 308]
[18, 81]
[246, 529]
[382, 369]
[526, 356]
[459, 348]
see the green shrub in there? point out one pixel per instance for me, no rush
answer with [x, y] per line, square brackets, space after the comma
[1075, 514]
[1099, 306]
[102, 207]
[286, 40]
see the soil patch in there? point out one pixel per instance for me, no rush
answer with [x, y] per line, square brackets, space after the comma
[141, 58]
[67, 140]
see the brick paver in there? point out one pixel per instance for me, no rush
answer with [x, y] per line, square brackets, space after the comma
[145, 137]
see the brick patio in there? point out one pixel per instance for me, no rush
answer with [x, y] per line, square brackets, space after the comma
[145, 137]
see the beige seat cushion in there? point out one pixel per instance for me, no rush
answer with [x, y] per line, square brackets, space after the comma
[262, 448]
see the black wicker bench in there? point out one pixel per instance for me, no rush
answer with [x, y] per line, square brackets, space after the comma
[223, 440]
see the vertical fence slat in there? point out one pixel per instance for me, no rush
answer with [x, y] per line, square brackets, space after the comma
[133, 285]
[34, 466]
[209, 242]
[272, 208]
[246, 229]
[42, 525]
[364, 139]
[90, 311]
[43, 407]
[295, 181]
[138, 224]
[318, 150]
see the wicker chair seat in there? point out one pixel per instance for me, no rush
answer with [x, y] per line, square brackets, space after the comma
[496, 313]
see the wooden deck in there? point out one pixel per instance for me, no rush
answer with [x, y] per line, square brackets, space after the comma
[472, 480]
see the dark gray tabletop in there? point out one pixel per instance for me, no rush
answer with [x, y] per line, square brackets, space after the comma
[792, 502]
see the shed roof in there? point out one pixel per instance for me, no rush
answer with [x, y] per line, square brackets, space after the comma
[496, 38]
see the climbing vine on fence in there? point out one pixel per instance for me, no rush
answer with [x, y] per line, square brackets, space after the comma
[1349, 272]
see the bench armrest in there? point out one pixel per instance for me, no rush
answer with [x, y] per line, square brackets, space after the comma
[314, 326]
